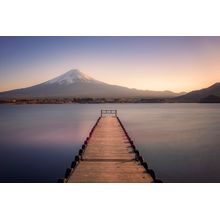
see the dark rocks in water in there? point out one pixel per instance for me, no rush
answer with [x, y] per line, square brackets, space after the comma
[68, 171]
[151, 172]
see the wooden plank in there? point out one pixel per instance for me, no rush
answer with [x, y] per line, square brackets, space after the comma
[109, 157]
[110, 172]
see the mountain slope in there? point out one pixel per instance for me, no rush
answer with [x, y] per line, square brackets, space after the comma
[211, 99]
[77, 84]
[198, 95]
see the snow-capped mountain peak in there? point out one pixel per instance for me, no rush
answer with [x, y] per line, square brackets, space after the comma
[70, 77]
[79, 85]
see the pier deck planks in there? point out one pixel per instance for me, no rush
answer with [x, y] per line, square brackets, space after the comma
[109, 157]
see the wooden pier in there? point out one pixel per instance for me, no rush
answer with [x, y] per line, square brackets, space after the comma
[108, 156]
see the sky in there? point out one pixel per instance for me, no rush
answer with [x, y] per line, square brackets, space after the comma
[150, 63]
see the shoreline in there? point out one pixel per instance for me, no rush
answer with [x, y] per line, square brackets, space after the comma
[138, 100]
[95, 103]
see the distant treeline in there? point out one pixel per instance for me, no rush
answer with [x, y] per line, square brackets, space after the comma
[81, 100]
[69, 100]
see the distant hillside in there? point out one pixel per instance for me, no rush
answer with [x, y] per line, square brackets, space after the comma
[77, 84]
[211, 99]
[200, 95]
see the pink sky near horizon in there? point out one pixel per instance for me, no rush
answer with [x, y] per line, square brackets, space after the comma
[187, 65]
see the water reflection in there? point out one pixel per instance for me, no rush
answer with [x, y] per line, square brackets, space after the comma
[179, 141]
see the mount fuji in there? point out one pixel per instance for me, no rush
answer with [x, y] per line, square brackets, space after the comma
[79, 85]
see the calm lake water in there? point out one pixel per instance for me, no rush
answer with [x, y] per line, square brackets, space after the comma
[180, 142]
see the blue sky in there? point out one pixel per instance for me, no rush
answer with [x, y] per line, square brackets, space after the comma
[156, 63]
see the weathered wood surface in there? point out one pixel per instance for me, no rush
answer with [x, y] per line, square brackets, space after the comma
[109, 157]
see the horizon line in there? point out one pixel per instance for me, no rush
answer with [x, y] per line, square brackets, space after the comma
[76, 69]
